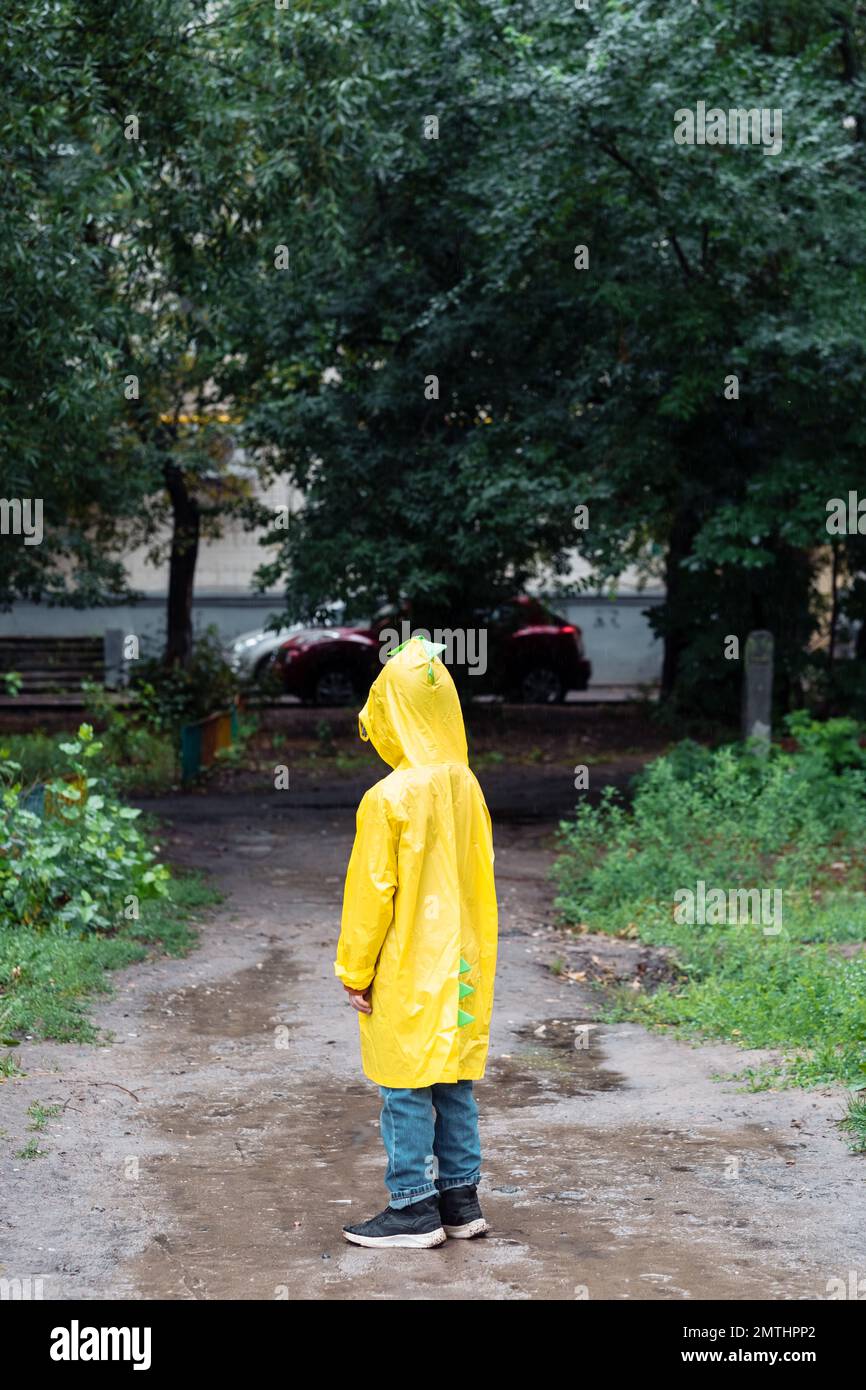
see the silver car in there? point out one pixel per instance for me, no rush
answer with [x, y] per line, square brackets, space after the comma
[250, 653]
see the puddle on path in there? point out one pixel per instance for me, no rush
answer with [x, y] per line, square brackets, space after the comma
[262, 1167]
[552, 1059]
[243, 1005]
[258, 1183]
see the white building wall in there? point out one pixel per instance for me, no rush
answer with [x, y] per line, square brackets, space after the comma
[225, 566]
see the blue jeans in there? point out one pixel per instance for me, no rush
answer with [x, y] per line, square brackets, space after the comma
[427, 1154]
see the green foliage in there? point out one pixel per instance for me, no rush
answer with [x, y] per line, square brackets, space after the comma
[135, 260]
[839, 742]
[605, 386]
[75, 868]
[793, 822]
[854, 1124]
[48, 978]
[722, 815]
[138, 756]
[170, 696]
[40, 1114]
[134, 756]
[302, 128]
[31, 1150]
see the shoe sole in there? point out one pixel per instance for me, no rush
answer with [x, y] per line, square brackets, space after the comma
[427, 1241]
[472, 1228]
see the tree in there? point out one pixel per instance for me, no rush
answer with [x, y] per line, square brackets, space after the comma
[140, 193]
[61, 391]
[426, 417]
[610, 386]
[448, 270]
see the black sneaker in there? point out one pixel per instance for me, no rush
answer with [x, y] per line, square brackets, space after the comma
[417, 1226]
[461, 1214]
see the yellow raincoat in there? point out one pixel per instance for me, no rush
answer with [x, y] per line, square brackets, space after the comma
[419, 909]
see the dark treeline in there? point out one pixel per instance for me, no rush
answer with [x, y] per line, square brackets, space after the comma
[447, 269]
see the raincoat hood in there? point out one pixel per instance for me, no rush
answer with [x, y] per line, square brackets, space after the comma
[412, 716]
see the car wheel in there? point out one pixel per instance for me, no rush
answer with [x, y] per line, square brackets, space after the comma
[336, 686]
[541, 686]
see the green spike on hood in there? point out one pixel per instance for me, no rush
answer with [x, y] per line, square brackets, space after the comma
[463, 1018]
[464, 989]
[431, 649]
[463, 967]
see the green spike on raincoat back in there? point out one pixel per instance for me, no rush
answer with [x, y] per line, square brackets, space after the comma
[464, 989]
[431, 649]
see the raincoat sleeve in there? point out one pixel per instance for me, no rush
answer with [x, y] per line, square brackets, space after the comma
[368, 899]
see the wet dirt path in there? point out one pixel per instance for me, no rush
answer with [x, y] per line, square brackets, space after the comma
[216, 1148]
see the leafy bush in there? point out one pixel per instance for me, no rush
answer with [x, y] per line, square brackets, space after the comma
[792, 821]
[834, 741]
[65, 886]
[725, 816]
[78, 867]
[170, 696]
[125, 738]
[133, 756]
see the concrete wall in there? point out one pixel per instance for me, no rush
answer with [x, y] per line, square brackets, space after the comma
[146, 619]
[617, 637]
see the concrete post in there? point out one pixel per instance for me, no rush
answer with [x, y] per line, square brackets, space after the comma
[758, 687]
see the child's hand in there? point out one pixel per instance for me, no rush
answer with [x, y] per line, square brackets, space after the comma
[359, 1000]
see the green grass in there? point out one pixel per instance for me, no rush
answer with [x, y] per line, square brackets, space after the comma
[47, 980]
[31, 1150]
[795, 822]
[854, 1124]
[782, 993]
[40, 1114]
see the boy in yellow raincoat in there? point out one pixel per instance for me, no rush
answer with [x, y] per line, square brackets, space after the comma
[417, 950]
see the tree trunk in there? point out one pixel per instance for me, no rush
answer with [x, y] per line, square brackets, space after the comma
[186, 525]
[675, 637]
[834, 612]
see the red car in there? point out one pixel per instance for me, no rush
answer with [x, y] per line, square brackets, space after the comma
[519, 650]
